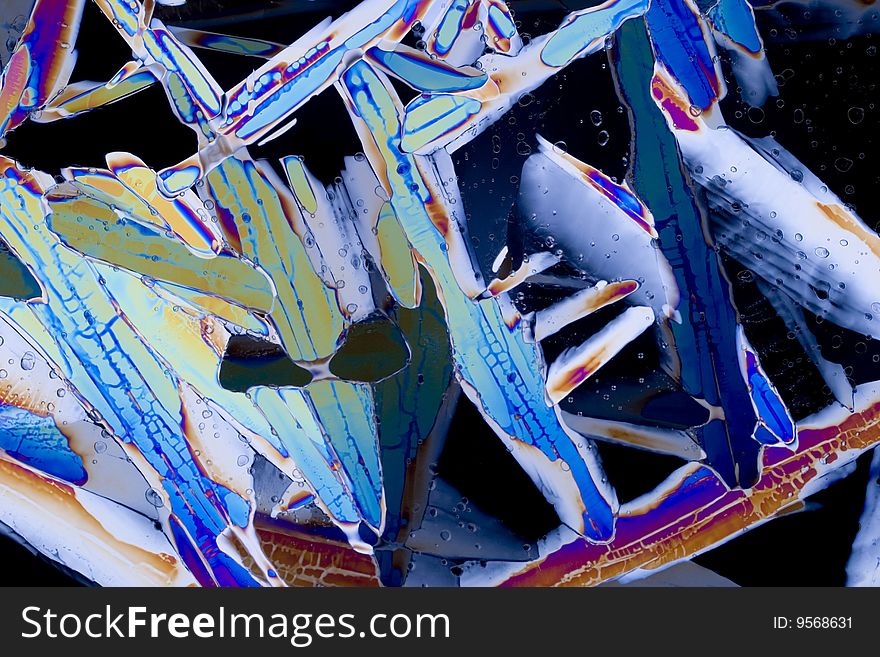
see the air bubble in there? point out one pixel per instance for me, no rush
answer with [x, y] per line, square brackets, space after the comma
[155, 498]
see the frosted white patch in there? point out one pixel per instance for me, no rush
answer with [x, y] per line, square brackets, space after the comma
[864, 396]
[777, 219]
[593, 233]
[463, 533]
[553, 478]
[493, 573]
